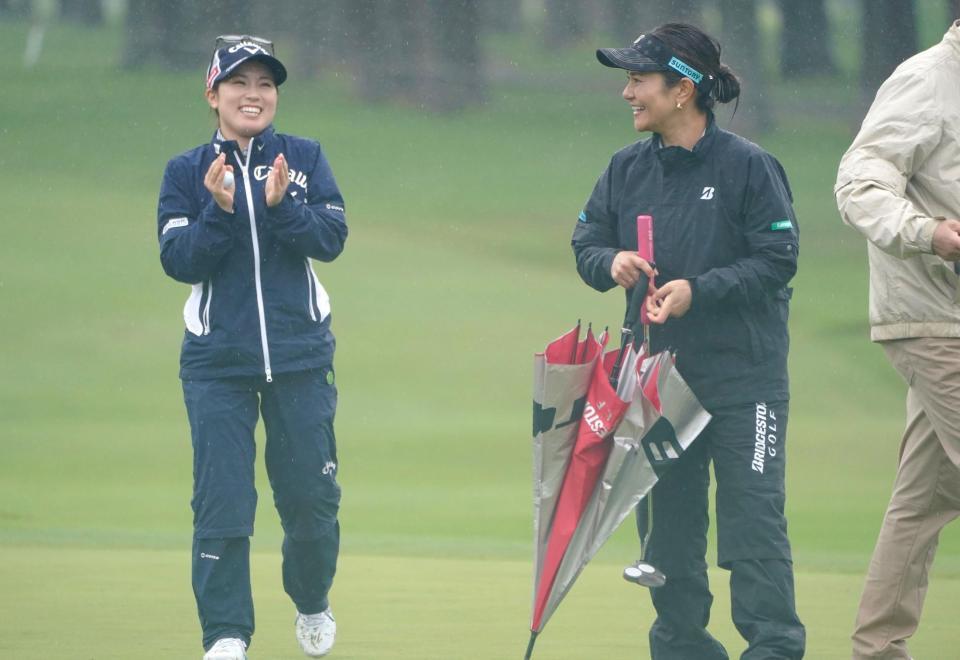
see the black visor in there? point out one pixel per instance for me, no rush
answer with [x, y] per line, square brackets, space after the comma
[648, 54]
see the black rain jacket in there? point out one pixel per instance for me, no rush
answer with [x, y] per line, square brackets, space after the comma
[723, 219]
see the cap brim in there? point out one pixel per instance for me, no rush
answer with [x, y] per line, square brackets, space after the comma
[627, 58]
[276, 68]
[279, 71]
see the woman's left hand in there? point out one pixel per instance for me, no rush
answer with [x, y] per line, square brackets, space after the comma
[672, 299]
[277, 181]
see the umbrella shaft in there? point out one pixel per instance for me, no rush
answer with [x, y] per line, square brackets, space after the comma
[533, 638]
[625, 338]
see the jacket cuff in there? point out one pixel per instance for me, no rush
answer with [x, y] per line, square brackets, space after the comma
[925, 235]
[288, 204]
[693, 291]
[216, 213]
[607, 261]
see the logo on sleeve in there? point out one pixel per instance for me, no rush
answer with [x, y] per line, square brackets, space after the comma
[173, 223]
[781, 225]
[582, 217]
[707, 193]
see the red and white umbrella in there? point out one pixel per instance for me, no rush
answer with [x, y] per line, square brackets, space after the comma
[605, 426]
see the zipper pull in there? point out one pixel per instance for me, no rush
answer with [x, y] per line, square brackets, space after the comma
[269, 376]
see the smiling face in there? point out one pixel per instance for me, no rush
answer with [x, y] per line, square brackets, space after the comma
[653, 103]
[246, 102]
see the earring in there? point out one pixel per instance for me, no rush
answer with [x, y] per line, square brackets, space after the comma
[679, 105]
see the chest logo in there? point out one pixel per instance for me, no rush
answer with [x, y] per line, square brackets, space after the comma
[707, 193]
[261, 172]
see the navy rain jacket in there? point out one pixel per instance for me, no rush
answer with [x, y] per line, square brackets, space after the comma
[256, 306]
[723, 219]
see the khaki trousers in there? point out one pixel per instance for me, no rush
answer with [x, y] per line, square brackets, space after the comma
[926, 496]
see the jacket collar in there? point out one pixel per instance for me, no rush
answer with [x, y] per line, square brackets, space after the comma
[221, 145]
[676, 155]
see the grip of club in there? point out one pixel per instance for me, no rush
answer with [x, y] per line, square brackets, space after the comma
[645, 249]
[637, 295]
[645, 236]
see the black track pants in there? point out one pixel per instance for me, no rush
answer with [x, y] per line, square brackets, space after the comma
[747, 447]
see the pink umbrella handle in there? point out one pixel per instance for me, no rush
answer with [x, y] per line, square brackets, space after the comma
[645, 250]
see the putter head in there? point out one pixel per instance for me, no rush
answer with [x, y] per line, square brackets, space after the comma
[644, 574]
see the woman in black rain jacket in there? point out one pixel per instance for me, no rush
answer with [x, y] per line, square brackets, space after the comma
[725, 240]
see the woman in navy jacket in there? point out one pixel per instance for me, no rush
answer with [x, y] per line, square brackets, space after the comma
[725, 239]
[240, 219]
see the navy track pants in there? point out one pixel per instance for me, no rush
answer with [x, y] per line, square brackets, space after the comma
[301, 460]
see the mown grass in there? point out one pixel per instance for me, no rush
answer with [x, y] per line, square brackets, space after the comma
[457, 269]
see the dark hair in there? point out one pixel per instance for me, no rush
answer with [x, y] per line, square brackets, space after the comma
[701, 51]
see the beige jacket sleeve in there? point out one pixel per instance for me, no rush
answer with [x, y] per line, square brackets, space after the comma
[899, 132]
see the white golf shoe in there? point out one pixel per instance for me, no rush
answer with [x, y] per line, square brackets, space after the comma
[316, 633]
[228, 648]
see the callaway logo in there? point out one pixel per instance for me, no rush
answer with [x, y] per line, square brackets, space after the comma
[204, 555]
[251, 48]
[261, 172]
[707, 193]
[329, 468]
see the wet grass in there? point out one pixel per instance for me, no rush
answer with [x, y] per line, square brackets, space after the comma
[457, 269]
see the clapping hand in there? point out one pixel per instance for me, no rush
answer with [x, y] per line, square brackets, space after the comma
[277, 181]
[214, 182]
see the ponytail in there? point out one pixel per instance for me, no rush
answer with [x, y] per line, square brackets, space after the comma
[727, 86]
[702, 52]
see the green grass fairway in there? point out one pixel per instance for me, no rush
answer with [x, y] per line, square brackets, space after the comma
[387, 607]
[456, 271]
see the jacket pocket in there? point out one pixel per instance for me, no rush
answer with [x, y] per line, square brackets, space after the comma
[768, 325]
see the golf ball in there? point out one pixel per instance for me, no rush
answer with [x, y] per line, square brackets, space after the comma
[228, 179]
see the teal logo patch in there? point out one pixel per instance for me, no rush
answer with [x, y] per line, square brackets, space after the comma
[685, 69]
[781, 225]
[329, 378]
[582, 217]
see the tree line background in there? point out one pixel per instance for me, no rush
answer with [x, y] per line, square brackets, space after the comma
[436, 53]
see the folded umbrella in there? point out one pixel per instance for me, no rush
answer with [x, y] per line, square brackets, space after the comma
[562, 375]
[605, 428]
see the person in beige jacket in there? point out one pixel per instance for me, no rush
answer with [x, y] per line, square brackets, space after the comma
[899, 186]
